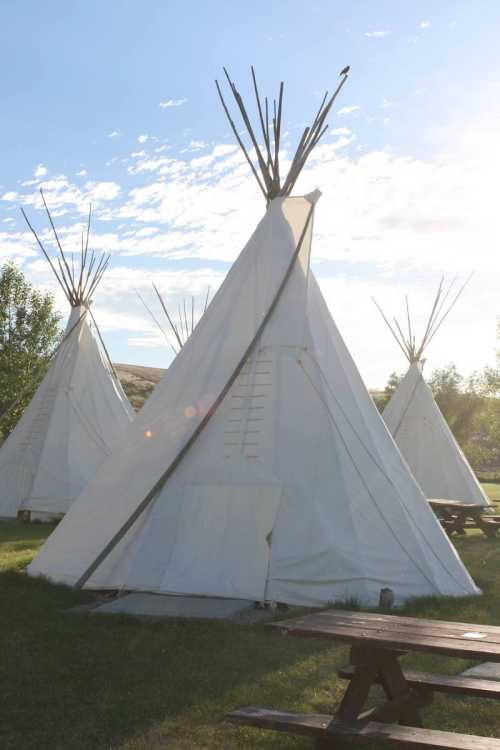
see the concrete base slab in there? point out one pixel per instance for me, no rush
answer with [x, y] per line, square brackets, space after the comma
[487, 671]
[159, 605]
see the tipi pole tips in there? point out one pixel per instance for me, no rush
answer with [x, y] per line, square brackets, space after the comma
[267, 168]
[78, 286]
[438, 314]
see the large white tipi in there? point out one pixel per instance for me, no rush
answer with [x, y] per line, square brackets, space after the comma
[76, 415]
[416, 422]
[260, 469]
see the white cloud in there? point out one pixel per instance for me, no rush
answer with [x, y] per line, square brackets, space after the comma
[16, 246]
[348, 110]
[82, 173]
[424, 24]
[385, 224]
[172, 103]
[9, 196]
[147, 342]
[114, 134]
[376, 34]
[143, 138]
[102, 191]
[40, 171]
[62, 196]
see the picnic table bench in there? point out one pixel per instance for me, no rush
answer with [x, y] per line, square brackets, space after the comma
[456, 517]
[377, 643]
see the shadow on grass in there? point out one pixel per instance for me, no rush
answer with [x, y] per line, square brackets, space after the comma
[92, 681]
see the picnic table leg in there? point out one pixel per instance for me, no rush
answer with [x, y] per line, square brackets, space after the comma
[378, 666]
[395, 686]
[488, 531]
[456, 522]
[368, 665]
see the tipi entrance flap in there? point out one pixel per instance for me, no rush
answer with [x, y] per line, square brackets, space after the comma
[222, 543]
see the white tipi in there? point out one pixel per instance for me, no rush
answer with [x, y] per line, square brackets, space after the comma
[416, 422]
[77, 414]
[260, 469]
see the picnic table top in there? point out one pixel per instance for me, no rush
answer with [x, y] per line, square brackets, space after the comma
[395, 633]
[438, 502]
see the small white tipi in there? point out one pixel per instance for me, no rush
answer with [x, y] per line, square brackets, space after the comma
[260, 469]
[76, 415]
[417, 424]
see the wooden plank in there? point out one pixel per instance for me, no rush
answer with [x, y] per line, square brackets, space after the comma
[325, 727]
[395, 640]
[391, 629]
[416, 624]
[454, 505]
[440, 683]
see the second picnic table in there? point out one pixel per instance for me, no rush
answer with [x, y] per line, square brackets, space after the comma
[456, 517]
[377, 643]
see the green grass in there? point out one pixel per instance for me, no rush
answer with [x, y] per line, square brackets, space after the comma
[74, 681]
[493, 490]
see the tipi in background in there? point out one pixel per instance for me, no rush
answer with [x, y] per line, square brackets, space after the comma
[182, 325]
[78, 412]
[261, 468]
[415, 420]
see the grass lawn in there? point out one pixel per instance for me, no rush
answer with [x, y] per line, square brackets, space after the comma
[493, 490]
[73, 681]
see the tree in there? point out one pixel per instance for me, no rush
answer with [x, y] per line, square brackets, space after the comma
[29, 333]
[382, 398]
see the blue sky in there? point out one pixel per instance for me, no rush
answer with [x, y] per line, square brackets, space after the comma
[114, 102]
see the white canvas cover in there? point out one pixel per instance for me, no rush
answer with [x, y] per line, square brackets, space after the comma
[294, 491]
[76, 415]
[427, 443]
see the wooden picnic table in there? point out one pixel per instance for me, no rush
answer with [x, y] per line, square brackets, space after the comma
[378, 641]
[456, 517]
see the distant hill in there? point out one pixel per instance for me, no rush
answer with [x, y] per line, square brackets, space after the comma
[138, 382]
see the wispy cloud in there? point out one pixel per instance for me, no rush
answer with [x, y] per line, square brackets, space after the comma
[114, 134]
[40, 171]
[172, 103]
[387, 219]
[143, 138]
[82, 173]
[424, 24]
[378, 33]
[348, 110]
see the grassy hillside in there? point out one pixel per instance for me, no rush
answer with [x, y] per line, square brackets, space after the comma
[138, 382]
